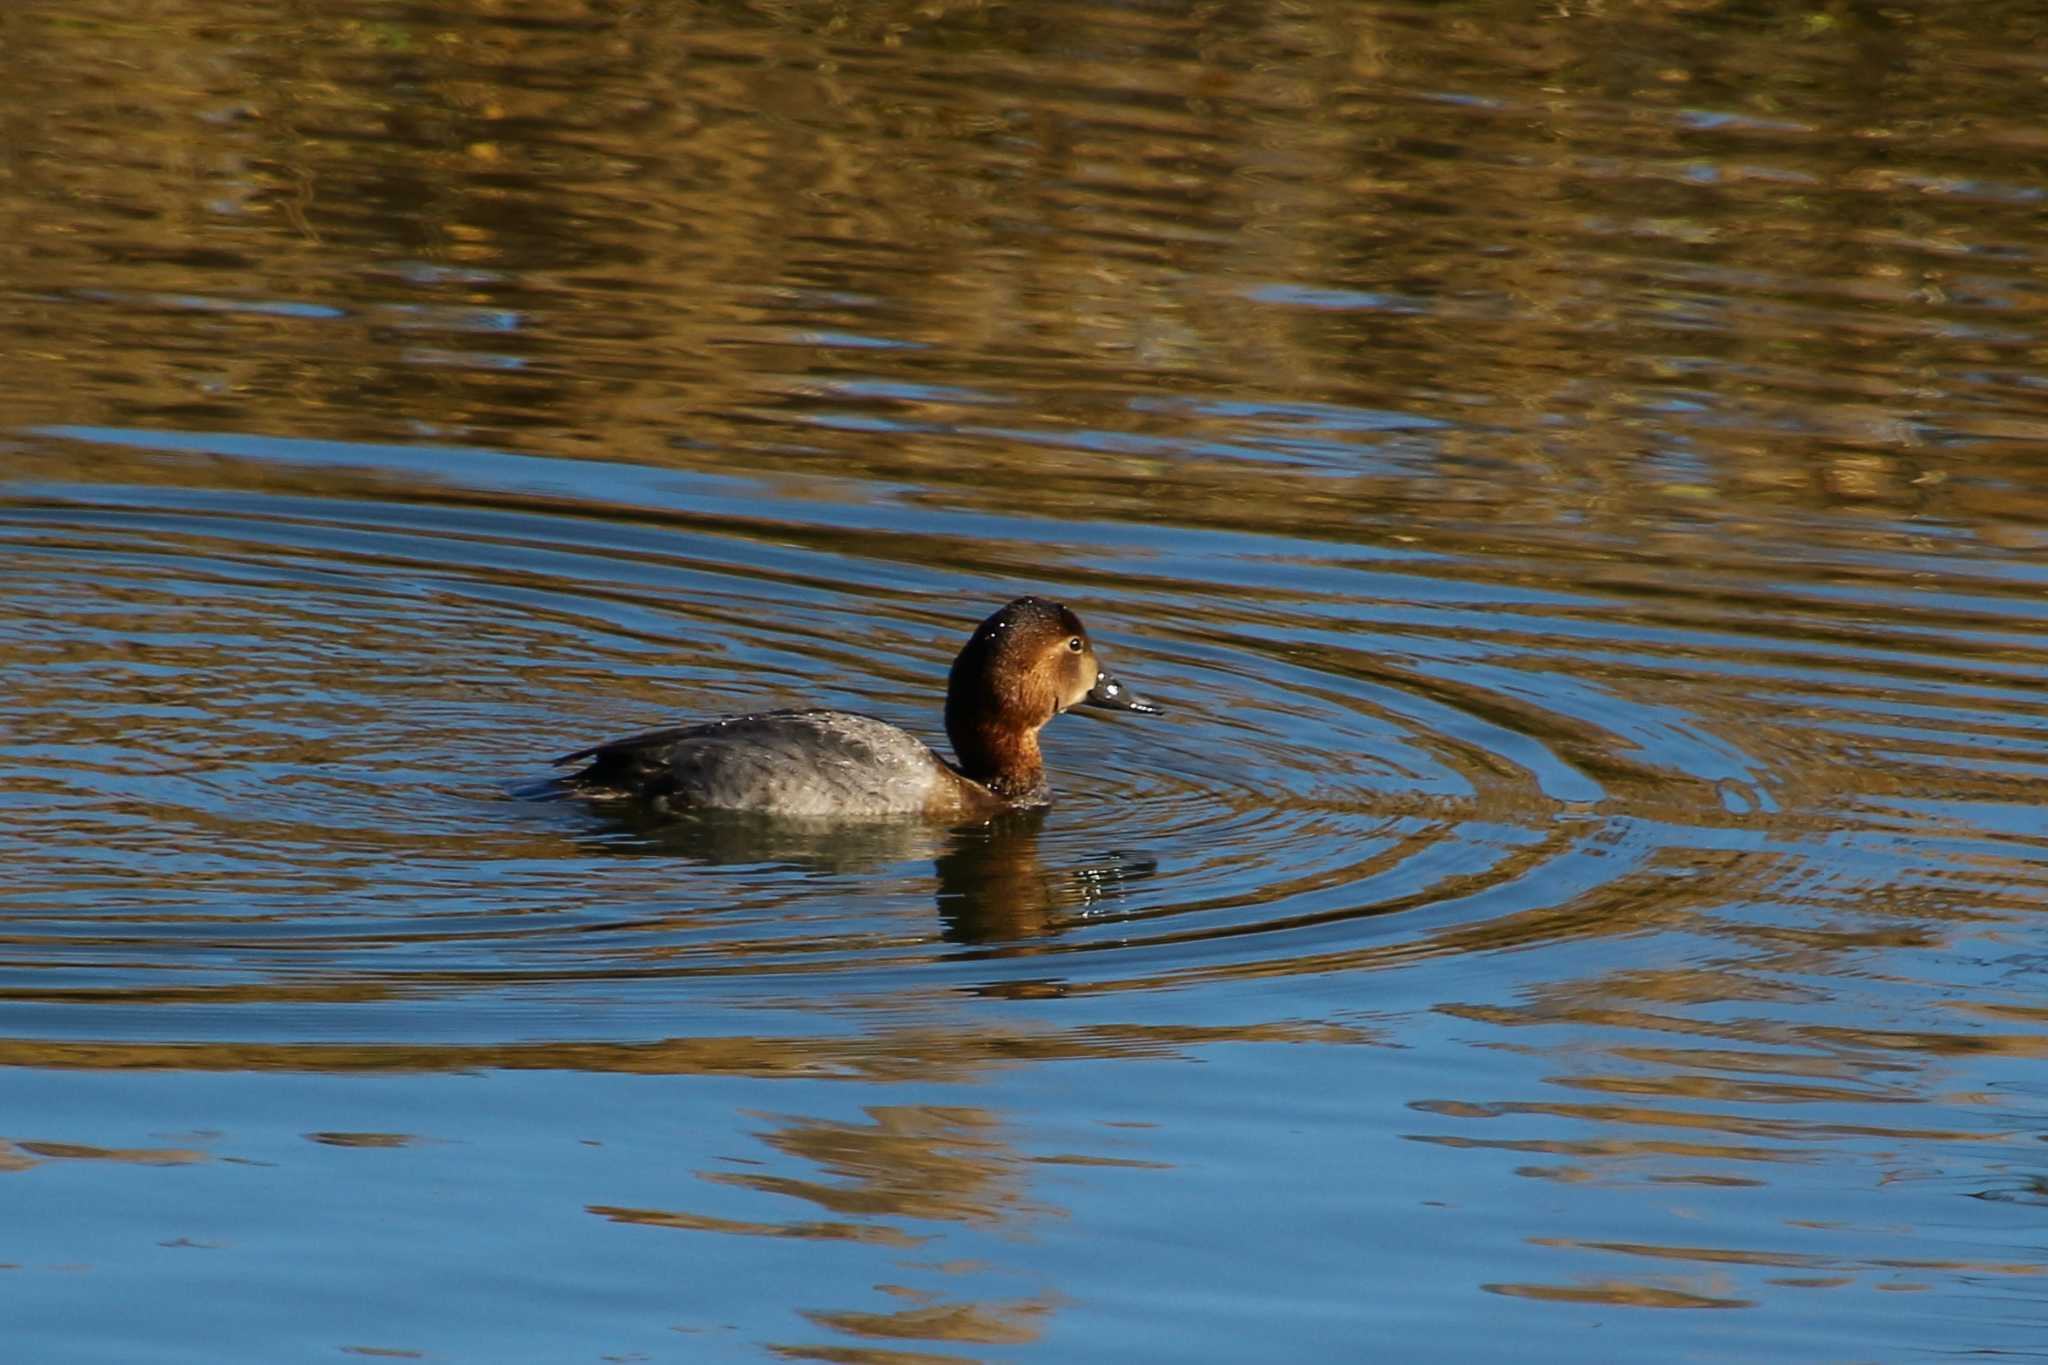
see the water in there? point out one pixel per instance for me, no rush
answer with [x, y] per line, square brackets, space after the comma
[1572, 478]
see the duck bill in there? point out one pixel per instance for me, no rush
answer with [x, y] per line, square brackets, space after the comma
[1111, 695]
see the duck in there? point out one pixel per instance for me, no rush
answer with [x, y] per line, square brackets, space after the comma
[1025, 664]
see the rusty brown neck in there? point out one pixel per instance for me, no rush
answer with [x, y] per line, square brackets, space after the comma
[1004, 759]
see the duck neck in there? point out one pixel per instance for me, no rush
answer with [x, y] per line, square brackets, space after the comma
[1003, 759]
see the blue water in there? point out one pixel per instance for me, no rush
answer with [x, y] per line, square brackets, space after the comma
[1570, 479]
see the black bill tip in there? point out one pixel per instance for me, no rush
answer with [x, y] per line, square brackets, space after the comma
[1111, 695]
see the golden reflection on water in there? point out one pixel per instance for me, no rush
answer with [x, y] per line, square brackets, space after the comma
[662, 247]
[884, 1055]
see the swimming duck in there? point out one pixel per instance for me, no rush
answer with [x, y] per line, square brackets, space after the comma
[1021, 667]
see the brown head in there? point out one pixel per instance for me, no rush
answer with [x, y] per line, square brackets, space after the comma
[1021, 667]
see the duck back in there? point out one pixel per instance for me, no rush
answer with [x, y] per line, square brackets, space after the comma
[799, 763]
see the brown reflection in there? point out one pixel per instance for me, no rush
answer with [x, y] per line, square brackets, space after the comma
[1790, 1260]
[585, 231]
[803, 1229]
[990, 1324]
[944, 1162]
[927, 1163]
[993, 886]
[1621, 1293]
[929, 1055]
[138, 1156]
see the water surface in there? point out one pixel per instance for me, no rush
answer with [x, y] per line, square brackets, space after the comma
[1572, 478]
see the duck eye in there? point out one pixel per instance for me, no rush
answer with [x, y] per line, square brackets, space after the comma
[1075, 644]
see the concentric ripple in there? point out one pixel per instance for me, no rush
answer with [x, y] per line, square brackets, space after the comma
[268, 745]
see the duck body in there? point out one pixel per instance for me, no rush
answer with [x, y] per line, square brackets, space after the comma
[806, 764]
[1022, 666]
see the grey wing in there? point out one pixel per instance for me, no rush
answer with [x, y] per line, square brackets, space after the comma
[793, 762]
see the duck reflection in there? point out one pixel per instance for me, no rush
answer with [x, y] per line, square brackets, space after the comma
[721, 838]
[994, 887]
[993, 882]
